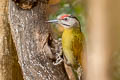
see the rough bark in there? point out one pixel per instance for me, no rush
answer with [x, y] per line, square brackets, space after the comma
[9, 67]
[32, 39]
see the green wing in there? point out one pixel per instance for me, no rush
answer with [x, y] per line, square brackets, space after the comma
[78, 46]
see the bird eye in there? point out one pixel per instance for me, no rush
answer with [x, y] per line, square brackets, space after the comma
[65, 19]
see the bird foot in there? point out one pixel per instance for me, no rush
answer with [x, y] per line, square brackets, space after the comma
[59, 59]
[79, 72]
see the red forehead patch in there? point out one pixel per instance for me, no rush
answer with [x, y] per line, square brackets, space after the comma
[66, 15]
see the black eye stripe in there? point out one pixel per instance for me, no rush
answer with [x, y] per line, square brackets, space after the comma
[73, 17]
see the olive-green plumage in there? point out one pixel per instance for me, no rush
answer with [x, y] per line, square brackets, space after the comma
[72, 43]
[72, 39]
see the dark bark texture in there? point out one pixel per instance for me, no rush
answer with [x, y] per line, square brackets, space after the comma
[31, 35]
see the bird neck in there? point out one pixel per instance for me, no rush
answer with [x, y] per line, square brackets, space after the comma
[76, 29]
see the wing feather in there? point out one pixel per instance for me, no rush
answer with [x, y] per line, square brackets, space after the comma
[77, 46]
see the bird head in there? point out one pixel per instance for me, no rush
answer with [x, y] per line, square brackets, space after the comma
[66, 20]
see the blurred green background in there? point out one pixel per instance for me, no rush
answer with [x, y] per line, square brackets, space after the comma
[74, 7]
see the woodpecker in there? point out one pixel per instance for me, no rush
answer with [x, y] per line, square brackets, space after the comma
[72, 39]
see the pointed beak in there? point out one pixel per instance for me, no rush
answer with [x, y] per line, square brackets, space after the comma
[52, 21]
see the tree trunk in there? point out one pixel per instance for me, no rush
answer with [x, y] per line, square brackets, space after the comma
[32, 37]
[9, 67]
